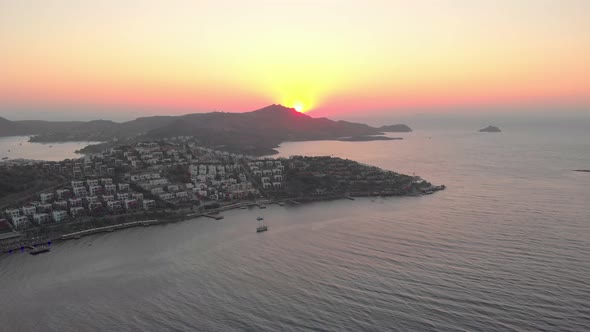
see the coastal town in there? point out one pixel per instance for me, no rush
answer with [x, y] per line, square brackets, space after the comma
[175, 179]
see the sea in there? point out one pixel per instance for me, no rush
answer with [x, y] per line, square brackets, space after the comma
[19, 147]
[506, 247]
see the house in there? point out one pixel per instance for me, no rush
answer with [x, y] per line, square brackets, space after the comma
[95, 190]
[110, 188]
[20, 222]
[166, 196]
[108, 198]
[92, 182]
[29, 210]
[75, 202]
[173, 188]
[77, 184]
[181, 194]
[277, 184]
[45, 208]
[41, 218]
[106, 181]
[63, 193]
[92, 199]
[122, 196]
[114, 205]
[80, 192]
[123, 186]
[149, 204]
[59, 216]
[157, 191]
[46, 197]
[60, 205]
[137, 196]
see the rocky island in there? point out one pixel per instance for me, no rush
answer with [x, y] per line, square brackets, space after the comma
[490, 129]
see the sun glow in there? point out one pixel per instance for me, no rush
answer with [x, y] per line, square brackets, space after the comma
[298, 107]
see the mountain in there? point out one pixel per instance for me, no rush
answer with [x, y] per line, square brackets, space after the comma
[256, 132]
[396, 128]
[490, 129]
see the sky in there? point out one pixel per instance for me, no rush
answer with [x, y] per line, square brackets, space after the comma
[65, 59]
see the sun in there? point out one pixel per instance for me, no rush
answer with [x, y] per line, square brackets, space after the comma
[298, 107]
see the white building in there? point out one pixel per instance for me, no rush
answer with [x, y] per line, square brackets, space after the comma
[59, 216]
[149, 204]
[29, 210]
[46, 197]
[77, 184]
[21, 221]
[114, 205]
[92, 182]
[41, 218]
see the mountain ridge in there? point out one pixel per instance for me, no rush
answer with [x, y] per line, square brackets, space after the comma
[264, 128]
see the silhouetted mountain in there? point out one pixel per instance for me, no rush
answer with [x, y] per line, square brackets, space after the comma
[258, 131]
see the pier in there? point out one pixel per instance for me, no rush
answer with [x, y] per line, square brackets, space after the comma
[112, 228]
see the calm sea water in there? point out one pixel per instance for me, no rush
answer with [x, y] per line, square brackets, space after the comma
[16, 147]
[505, 248]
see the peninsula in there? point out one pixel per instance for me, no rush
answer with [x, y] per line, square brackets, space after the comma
[171, 179]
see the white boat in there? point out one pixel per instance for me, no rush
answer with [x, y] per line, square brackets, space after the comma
[261, 226]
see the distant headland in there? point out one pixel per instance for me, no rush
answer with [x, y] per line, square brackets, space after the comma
[254, 133]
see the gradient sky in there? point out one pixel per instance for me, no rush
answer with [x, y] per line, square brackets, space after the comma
[121, 59]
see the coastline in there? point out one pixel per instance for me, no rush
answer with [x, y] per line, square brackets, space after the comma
[60, 236]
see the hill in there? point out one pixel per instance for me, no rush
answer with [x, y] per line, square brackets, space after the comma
[256, 132]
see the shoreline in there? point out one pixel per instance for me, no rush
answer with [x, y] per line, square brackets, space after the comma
[213, 213]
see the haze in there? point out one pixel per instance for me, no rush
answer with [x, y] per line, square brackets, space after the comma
[340, 59]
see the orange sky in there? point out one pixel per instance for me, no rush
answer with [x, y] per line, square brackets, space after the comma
[330, 57]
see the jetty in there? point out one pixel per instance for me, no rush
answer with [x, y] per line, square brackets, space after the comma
[112, 228]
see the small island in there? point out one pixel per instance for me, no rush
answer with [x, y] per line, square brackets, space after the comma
[582, 170]
[396, 128]
[490, 129]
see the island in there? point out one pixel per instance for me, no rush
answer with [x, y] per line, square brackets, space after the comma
[397, 128]
[171, 179]
[582, 170]
[490, 129]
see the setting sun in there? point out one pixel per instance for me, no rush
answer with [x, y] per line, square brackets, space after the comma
[298, 107]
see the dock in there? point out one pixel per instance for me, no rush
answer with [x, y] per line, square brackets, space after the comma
[213, 216]
[112, 228]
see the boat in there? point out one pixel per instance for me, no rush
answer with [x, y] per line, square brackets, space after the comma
[4, 158]
[243, 207]
[77, 236]
[261, 226]
[262, 206]
[38, 250]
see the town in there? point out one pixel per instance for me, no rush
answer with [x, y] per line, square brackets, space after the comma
[174, 179]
